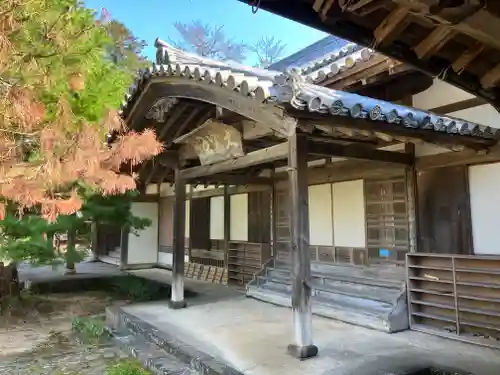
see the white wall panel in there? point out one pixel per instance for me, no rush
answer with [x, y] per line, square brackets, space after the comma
[320, 215]
[239, 217]
[349, 214]
[143, 249]
[439, 94]
[188, 216]
[217, 218]
[483, 114]
[484, 186]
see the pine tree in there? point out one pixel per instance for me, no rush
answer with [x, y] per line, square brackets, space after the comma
[57, 94]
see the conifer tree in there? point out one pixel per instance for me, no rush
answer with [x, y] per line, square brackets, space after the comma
[62, 75]
[57, 95]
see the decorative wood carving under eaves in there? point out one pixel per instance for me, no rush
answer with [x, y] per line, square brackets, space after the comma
[160, 108]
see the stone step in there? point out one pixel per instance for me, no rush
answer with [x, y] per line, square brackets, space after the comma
[126, 325]
[365, 314]
[333, 276]
[328, 286]
[149, 355]
[332, 298]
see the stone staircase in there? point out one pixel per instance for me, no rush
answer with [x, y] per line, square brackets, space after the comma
[357, 295]
[162, 352]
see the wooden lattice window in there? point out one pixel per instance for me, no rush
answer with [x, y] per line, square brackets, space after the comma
[387, 225]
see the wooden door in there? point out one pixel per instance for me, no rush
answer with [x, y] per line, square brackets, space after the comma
[444, 223]
[199, 226]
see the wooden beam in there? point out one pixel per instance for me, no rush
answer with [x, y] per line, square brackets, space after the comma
[217, 192]
[466, 157]
[266, 155]
[458, 106]
[355, 151]
[430, 136]
[392, 26]
[463, 61]
[491, 78]
[303, 346]
[434, 41]
[177, 295]
[231, 180]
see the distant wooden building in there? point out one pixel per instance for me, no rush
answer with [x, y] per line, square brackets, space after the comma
[309, 196]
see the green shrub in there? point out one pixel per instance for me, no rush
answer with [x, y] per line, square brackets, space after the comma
[127, 367]
[90, 329]
[137, 289]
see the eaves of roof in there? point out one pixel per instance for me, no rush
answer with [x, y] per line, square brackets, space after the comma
[292, 89]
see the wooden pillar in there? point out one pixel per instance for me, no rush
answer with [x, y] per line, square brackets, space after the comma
[177, 300]
[94, 241]
[411, 193]
[303, 347]
[227, 225]
[274, 216]
[124, 247]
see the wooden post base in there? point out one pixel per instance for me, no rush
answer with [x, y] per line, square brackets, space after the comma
[176, 305]
[302, 352]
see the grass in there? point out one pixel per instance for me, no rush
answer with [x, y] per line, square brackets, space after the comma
[127, 367]
[92, 330]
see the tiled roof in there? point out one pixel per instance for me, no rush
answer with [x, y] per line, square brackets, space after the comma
[292, 89]
[319, 50]
[325, 59]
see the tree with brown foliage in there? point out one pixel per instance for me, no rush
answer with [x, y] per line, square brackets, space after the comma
[58, 92]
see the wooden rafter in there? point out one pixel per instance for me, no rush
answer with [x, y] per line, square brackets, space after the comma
[464, 60]
[392, 26]
[491, 78]
[174, 116]
[434, 41]
[323, 7]
[185, 124]
[364, 7]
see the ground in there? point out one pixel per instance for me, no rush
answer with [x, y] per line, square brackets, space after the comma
[36, 336]
[252, 337]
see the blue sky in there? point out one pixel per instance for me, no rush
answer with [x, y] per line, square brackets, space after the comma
[150, 19]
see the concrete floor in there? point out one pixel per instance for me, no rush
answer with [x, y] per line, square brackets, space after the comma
[48, 273]
[252, 336]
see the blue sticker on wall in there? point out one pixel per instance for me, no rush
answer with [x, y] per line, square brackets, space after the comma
[384, 253]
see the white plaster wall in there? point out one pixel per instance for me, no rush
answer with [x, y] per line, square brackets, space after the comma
[143, 249]
[239, 217]
[217, 218]
[166, 259]
[152, 189]
[439, 94]
[188, 216]
[166, 190]
[483, 114]
[484, 184]
[349, 214]
[320, 215]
